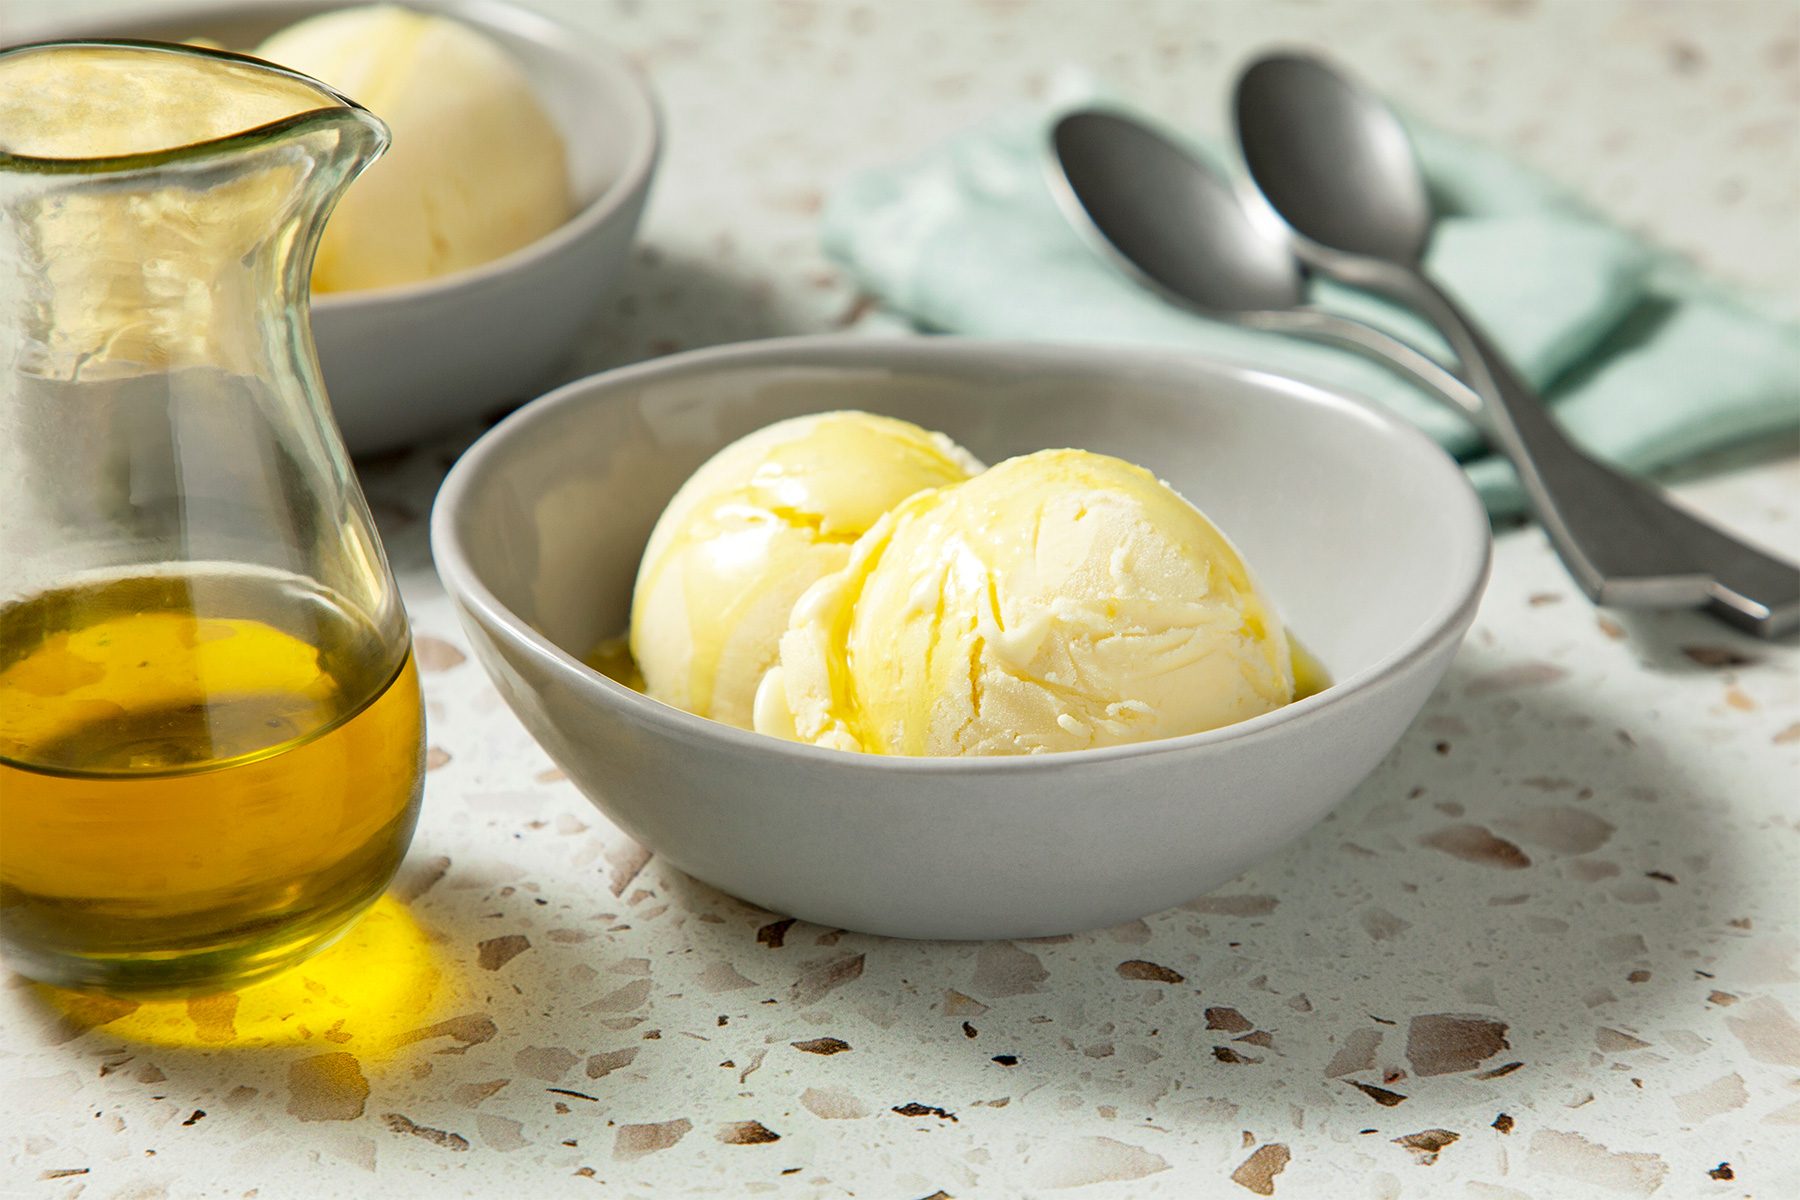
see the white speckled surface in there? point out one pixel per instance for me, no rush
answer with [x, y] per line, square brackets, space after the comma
[1584, 853]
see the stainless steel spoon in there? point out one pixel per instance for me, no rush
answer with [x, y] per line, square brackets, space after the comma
[1170, 220]
[1336, 164]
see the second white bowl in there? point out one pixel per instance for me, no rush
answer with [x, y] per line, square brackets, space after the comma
[404, 362]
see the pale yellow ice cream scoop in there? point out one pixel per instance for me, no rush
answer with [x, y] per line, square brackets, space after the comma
[476, 168]
[751, 530]
[1060, 601]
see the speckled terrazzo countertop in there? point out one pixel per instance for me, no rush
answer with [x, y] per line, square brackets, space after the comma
[1551, 948]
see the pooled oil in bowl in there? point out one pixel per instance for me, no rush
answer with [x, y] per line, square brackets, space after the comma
[1310, 675]
[204, 777]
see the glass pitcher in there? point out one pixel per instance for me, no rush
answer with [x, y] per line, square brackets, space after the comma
[210, 730]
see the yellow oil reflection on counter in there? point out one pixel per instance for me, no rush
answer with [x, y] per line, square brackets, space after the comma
[371, 993]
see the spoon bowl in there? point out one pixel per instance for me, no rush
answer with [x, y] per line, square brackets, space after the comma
[1170, 216]
[1332, 159]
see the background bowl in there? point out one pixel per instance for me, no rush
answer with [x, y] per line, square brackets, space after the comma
[404, 362]
[1365, 533]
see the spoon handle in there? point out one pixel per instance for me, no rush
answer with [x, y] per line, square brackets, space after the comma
[1626, 544]
[1397, 356]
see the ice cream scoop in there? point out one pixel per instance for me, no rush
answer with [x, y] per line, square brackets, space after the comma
[1059, 601]
[476, 169]
[751, 530]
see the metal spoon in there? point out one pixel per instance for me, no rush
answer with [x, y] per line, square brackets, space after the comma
[1172, 221]
[1334, 161]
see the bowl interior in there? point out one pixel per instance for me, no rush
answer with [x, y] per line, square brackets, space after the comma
[1363, 532]
[596, 106]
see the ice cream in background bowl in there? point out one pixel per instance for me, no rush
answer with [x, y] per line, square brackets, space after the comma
[459, 280]
[476, 168]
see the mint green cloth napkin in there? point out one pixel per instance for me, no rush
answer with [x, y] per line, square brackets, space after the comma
[1645, 362]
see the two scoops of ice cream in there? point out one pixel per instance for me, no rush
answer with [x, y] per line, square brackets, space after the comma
[860, 583]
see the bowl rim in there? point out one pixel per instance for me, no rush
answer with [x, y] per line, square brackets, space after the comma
[851, 352]
[643, 124]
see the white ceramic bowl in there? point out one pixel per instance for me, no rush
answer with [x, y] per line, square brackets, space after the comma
[1365, 533]
[404, 362]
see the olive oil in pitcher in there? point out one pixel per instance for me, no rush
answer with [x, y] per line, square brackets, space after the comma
[205, 776]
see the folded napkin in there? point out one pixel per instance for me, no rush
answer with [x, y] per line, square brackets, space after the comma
[1646, 363]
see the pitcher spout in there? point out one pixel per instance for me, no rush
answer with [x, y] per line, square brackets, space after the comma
[160, 205]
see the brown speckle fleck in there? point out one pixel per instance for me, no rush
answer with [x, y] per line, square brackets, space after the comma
[723, 977]
[1257, 1173]
[1521, 675]
[1717, 657]
[1497, 1072]
[627, 860]
[1228, 1019]
[1002, 969]
[1610, 628]
[1563, 828]
[774, 934]
[635, 1141]
[471, 1029]
[1768, 1031]
[1427, 1144]
[1380, 924]
[823, 976]
[1142, 969]
[913, 1108]
[399, 1123]
[1379, 1095]
[1356, 1054]
[1788, 736]
[1444, 1043]
[435, 757]
[214, 1017]
[1007, 1060]
[1575, 1157]
[1477, 844]
[548, 1063]
[495, 953]
[746, 1133]
[415, 881]
[327, 1087]
[1721, 998]
[1722, 1171]
[435, 654]
[623, 998]
[958, 1005]
[1617, 1040]
[1226, 1054]
[822, 1045]
[469, 1095]
[1504, 1123]
[833, 1104]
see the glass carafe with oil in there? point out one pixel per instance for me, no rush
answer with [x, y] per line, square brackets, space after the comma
[210, 726]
